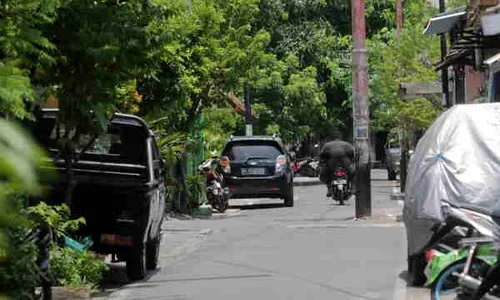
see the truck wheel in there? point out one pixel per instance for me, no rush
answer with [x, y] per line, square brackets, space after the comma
[136, 263]
[152, 253]
[289, 196]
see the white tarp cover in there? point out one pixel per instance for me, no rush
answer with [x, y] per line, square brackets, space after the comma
[457, 160]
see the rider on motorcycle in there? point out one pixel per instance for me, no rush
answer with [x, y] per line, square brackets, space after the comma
[336, 153]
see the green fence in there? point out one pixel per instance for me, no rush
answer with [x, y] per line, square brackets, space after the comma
[194, 159]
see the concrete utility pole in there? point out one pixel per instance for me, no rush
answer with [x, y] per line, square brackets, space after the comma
[248, 112]
[444, 71]
[404, 135]
[360, 111]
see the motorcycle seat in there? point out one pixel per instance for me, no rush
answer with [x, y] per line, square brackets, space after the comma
[478, 209]
[493, 213]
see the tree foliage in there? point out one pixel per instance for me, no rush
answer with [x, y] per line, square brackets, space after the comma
[172, 59]
[406, 59]
[20, 159]
[23, 48]
[219, 124]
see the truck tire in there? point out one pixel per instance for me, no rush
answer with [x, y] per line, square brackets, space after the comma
[153, 253]
[136, 263]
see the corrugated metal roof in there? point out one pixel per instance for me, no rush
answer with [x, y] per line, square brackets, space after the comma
[444, 22]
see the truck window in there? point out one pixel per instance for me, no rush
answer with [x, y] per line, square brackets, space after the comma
[123, 144]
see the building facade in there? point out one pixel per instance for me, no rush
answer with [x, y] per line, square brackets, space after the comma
[473, 58]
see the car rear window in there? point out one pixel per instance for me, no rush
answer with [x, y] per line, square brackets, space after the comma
[240, 151]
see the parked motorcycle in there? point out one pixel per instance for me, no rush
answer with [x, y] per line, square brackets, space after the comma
[444, 260]
[217, 194]
[472, 277]
[341, 186]
[307, 167]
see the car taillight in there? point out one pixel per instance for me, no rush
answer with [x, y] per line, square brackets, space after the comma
[225, 164]
[280, 163]
[339, 173]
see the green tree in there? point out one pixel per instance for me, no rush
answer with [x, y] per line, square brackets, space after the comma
[219, 124]
[23, 49]
[102, 48]
[201, 51]
[394, 61]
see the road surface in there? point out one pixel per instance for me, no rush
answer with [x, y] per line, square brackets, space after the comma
[262, 250]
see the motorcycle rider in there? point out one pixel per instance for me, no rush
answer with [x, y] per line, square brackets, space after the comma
[337, 153]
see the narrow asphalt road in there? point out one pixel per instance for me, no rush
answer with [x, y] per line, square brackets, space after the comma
[262, 250]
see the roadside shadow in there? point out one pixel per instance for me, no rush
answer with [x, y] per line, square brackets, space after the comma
[116, 278]
[346, 203]
[258, 206]
[405, 276]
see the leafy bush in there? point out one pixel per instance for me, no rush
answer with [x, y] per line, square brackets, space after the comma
[69, 267]
[20, 159]
[18, 269]
[55, 218]
[195, 192]
[170, 145]
[75, 269]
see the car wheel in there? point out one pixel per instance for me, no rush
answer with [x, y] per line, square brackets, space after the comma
[416, 272]
[136, 263]
[391, 174]
[289, 196]
[153, 253]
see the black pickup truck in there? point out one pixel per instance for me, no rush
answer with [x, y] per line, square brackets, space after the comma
[118, 188]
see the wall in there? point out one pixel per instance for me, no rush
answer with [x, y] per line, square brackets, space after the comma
[475, 81]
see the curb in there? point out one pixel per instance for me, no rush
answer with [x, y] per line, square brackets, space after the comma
[396, 194]
[397, 197]
[226, 215]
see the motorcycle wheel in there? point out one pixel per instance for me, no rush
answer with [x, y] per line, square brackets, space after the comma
[446, 284]
[445, 287]
[223, 205]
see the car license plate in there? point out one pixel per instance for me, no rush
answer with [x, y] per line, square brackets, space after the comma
[253, 171]
[342, 181]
